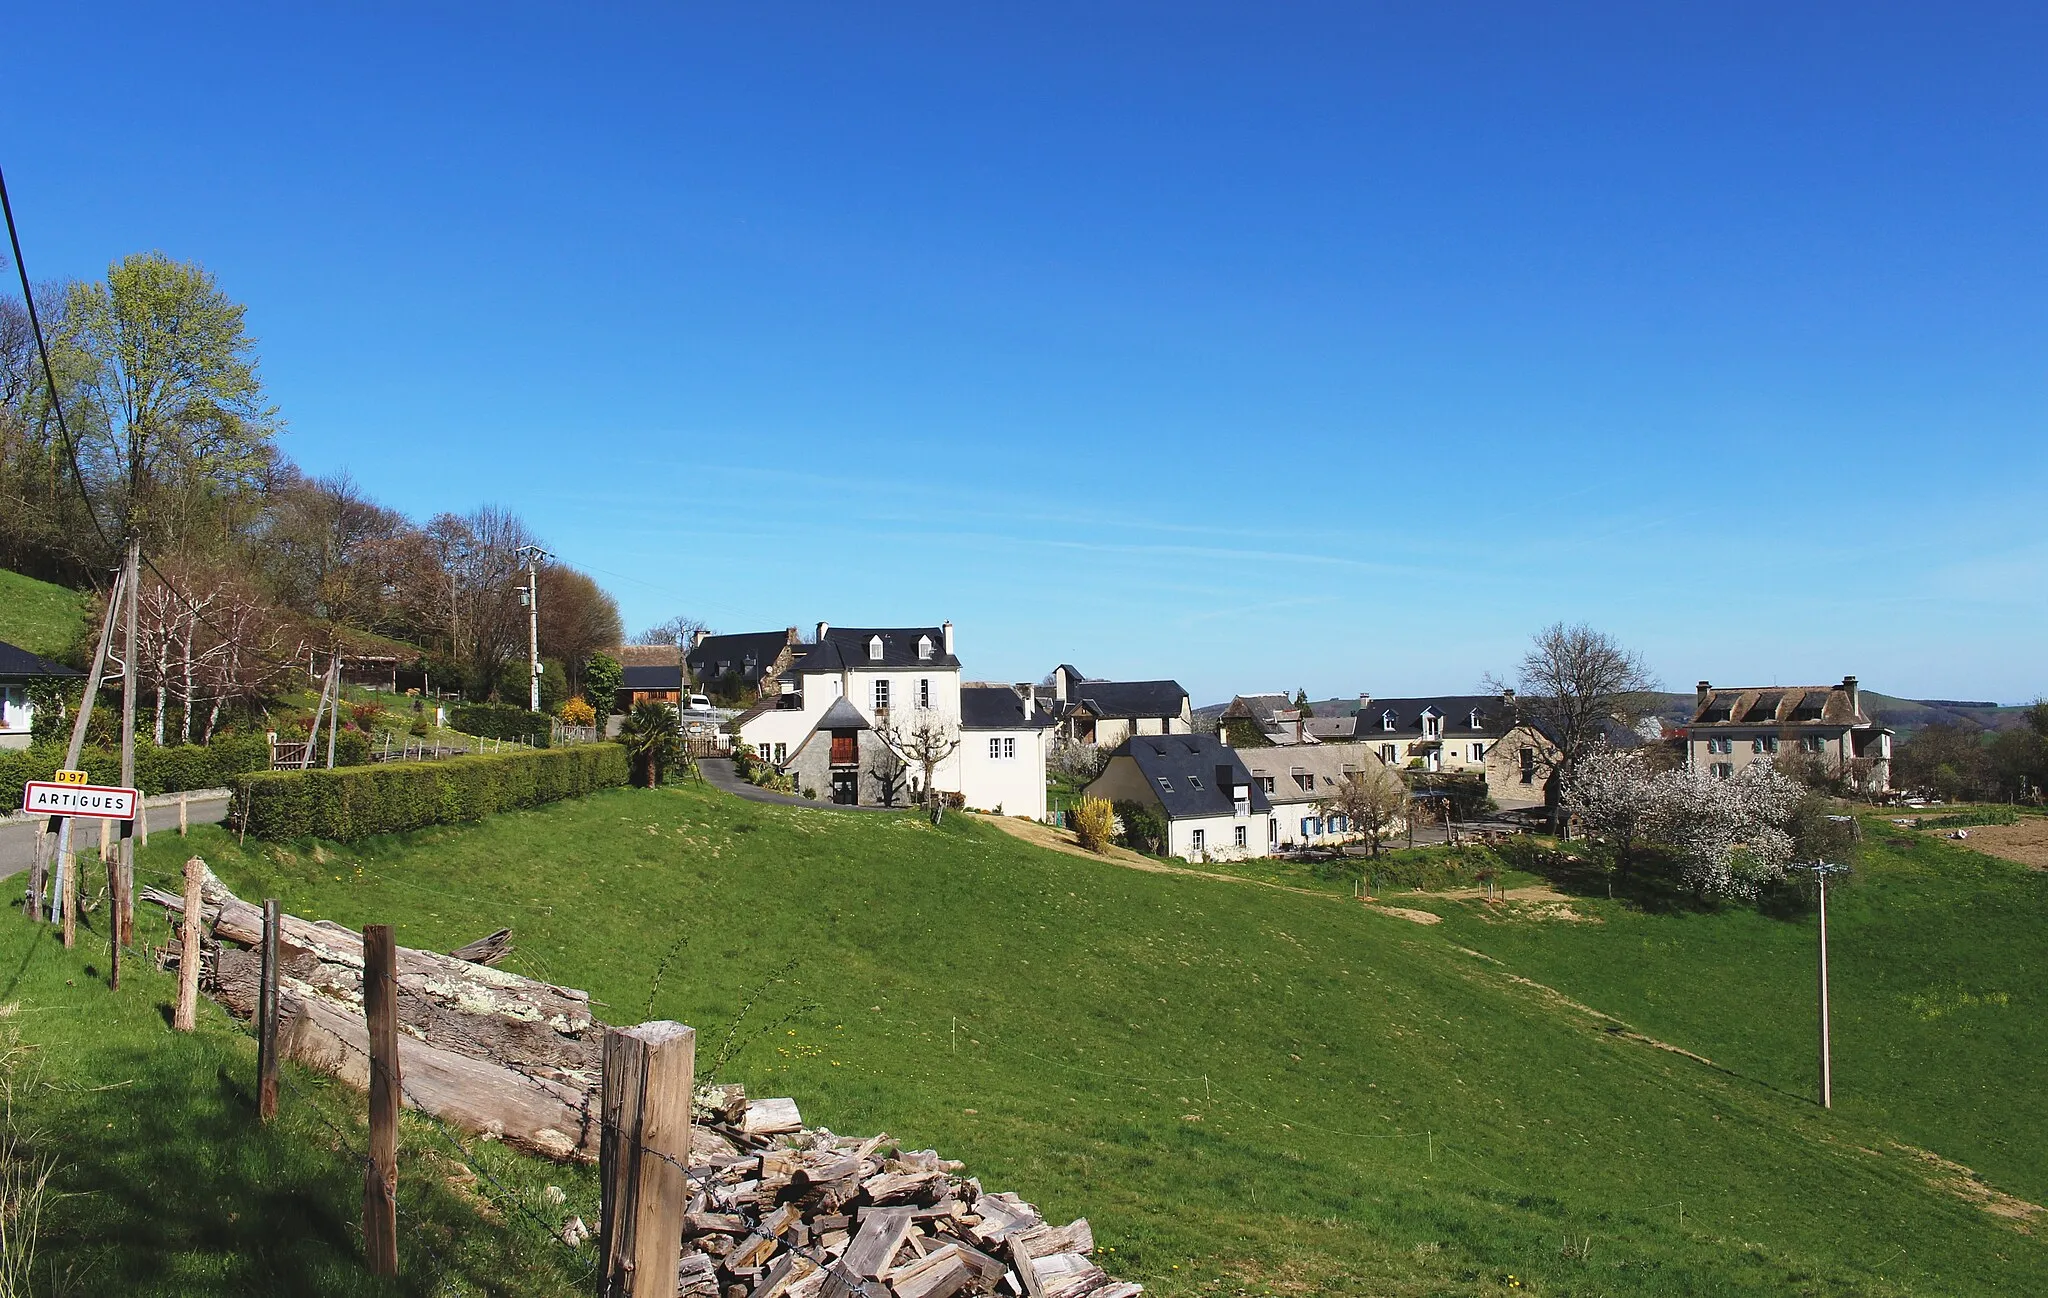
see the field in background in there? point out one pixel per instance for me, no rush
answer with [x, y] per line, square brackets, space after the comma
[39, 617]
[1254, 1090]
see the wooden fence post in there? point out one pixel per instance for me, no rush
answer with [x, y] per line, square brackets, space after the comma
[67, 866]
[266, 1014]
[380, 1177]
[186, 1016]
[649, 1072]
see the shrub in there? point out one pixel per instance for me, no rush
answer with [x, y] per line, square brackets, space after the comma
[577, 712]
[1094, 823]
[172, 769]
[345, 805]
[1965, 819]
[501, 721]
[367, 716]
[1144, 827]
[653, 742]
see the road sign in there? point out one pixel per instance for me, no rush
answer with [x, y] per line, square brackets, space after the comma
[71, 777]
[48, 798]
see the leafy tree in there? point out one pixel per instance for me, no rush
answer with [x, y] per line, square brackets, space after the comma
[1613, 793]
[1242, 732]
[1301, 703]
[577, 618]
[601, 678]
[162, 374]
[1144, 827]
[1947, 760]
[654, 742]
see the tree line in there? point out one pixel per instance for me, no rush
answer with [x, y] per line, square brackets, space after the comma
[159, 426]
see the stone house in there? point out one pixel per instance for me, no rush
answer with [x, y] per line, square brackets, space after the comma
[1733, 727]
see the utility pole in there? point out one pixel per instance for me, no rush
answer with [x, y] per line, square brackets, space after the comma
[1821, 870]
[530, 597]
[131, 682]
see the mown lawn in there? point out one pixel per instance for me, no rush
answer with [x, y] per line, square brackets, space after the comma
[39, 617]
[1246, 1089]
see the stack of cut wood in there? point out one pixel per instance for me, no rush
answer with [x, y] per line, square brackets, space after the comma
[779, 1211]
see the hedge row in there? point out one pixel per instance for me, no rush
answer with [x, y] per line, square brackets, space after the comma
[501, 721]
[171, 769]
[348, 804]
[1970, 819]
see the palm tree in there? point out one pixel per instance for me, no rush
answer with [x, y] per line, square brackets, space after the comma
[654, 741]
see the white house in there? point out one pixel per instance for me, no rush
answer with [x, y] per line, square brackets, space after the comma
[1213, 810]
[1299, 780]
[19, 667]
[892, 679]
[1106, 713]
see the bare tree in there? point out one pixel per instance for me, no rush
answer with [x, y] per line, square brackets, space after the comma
[924, 739]
[1574, 683]
[680, 631]
[479, 556]
[1373, 801]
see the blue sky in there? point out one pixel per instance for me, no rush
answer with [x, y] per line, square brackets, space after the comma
[1338, 347]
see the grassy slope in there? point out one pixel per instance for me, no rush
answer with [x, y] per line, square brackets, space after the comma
[39, 617]
[172, 1188]
[1233, 1082]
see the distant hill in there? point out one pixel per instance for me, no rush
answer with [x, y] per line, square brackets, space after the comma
[1902, 715]
[39, 617]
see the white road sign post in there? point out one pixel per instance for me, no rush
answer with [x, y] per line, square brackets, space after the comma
[47, 798]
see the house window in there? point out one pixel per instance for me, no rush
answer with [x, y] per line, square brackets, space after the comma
[1340, 825]
[1310, 826]
[924, 648]
[1475, 718]
[1009, 747]
[1273, 829]
[1479, 752]
[1265, 784]
[924, 693]
[1720, 744]
[995, 748]
[881, 696]
[1239, 835]
[1166, 786]
[1813, 743]
[1199, 839]
[1528, 766]
[1387, 753]
[1304, 781]
[1195, 783]
[1765, 744]
[874, 649]
[1722, 770]
[1433, 727]
[781, 754]
[1387, 719]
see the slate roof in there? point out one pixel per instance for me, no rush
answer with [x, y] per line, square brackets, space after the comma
[1778, 705]
[750, 653]
[1128, 700]
[1495, 719]
[1328, 728]
[1183, 771]
[18, 662]
[998, 707]
[847, 646]
[1258, 707]
[651, 678]
[1325, 765]
[842, 716]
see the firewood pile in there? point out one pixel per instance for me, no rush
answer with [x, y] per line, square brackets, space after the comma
[778, 1210]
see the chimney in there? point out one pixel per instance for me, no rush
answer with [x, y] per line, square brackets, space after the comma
[1700, 694]
[946, 636]
[699, 636]
[1855, 697]
[792, 637]
[1507, 699]
[1364, 701]
[1030, 697]
[823, 627]
[1060, 683]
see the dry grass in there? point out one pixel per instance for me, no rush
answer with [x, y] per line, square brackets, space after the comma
[2023, 844]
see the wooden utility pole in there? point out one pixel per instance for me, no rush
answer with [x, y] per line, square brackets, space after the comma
[186, 1016]
[1827, 1070]
[266, 1014]
[38, 878]
[380, 1176]
[68, 885]
[131, 685]
[644, 1145]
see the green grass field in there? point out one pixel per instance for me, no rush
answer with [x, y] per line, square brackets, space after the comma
[1245, 1089]
[39, 617]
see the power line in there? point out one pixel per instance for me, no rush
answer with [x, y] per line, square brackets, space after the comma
[35, 325]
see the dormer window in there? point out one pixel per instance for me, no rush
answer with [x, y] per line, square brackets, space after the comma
[924, 648]
[1387, 719]
[1475, 718]
[874, 649]
[1432, 725]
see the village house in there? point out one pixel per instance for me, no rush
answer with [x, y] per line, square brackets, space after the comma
[828, 715]
[1733, 727]
[1212, 808]
[1106, 713]
[1472, 734]
[739, 663]
[18, 670]
[1299, 781]
[1275, 720]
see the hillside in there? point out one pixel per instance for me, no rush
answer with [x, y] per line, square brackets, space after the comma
[39, 617]
[1248, 1090]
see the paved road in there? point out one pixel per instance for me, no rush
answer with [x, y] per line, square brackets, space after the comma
[718, 773]
[17, 837]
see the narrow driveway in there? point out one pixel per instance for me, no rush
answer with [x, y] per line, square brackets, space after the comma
[719, 774]
[18, 837]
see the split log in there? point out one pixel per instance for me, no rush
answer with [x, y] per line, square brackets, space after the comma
[486, 950]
